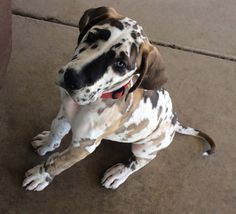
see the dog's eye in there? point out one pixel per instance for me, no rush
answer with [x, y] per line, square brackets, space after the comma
[119, 65]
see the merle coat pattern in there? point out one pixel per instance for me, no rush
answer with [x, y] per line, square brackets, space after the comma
[112, 51]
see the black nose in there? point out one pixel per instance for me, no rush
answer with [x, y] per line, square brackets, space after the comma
[72, 80]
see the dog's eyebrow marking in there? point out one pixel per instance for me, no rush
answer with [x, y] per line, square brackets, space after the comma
[93, 37]
[103, 34]
[118, 24]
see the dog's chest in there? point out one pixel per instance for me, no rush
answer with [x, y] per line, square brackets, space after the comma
[93, 120]
[127, 124]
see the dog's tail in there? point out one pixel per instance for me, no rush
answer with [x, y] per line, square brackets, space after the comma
[194, 132]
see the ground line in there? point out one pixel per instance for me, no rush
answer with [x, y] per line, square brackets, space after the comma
[160, 43]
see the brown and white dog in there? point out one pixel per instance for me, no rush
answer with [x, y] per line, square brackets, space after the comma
[111, 89]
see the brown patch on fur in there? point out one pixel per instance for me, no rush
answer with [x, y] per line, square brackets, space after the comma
[125, 104]
[150, 67]
[120, 130]
[135, 99]
[131, 127]
[122, 105]
[155, 75]
[136, 128]
[158, 125]
[59, 162]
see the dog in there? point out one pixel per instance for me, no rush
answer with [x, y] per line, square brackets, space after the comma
[111, 89]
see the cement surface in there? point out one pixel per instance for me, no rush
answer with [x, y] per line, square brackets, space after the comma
[179, 180]
[205, 24]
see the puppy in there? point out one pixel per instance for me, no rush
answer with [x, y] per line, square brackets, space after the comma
[111, 89]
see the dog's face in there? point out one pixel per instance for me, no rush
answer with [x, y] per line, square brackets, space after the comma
[111, 49]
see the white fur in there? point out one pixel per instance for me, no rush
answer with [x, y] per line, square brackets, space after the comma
[36, 180]
[115, 176]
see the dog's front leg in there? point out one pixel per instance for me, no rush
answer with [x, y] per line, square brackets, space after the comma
[40, 176]
[50, 140]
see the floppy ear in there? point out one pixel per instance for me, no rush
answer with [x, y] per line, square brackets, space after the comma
[94, 16]
[151, 68]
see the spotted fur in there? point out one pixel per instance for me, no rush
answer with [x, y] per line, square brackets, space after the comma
[112, 51]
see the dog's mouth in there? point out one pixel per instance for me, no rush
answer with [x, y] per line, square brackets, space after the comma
[87, 98]
[80, 100]
[116, 86]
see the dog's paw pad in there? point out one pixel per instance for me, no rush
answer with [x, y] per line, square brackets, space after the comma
[115, 176]
[36, 179]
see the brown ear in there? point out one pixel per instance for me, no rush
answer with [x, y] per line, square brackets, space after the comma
[94, 16]
[151, 68]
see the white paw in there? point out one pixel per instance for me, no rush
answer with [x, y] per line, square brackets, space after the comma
[36, 178]
[42, 143]
[115, 176]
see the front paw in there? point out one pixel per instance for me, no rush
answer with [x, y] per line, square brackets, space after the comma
[42, 143]
[115, 176]
[36, 178]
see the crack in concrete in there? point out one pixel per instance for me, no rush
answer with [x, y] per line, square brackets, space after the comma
[195, 50]
[160, 43]
[42, 18]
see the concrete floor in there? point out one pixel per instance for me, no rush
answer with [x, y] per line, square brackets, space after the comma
[203, 89]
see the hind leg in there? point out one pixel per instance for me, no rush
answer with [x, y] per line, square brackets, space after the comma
[118, 174]
[142, 155]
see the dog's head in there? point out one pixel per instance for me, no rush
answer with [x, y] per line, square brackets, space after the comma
[111, 50]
